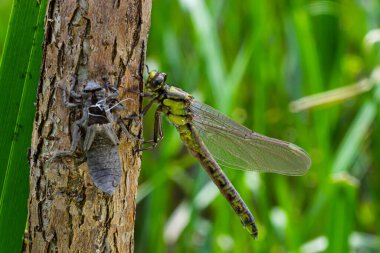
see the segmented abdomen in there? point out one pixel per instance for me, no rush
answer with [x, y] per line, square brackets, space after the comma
[191, 138]
[104, 163]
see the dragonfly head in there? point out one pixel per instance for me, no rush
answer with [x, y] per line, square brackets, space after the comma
[156, 80]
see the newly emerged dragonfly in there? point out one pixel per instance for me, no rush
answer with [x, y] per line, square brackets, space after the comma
[216, 140]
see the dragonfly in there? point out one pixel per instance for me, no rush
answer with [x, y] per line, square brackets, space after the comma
[218, 141]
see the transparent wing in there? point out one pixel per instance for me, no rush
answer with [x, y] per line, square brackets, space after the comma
[235, 146]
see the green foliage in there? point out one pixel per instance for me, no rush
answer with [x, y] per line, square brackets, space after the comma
[5, 7]
[250, 61]
[19, 76]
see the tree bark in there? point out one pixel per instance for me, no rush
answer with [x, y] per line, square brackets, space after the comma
[93, 40]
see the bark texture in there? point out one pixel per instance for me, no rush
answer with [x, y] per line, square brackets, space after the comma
[94, 40]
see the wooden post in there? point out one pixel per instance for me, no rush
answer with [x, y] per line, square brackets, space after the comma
[93, 40]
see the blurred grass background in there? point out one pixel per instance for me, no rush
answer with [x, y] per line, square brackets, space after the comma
[250, 60]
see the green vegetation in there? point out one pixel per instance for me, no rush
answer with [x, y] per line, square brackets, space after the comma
[19, 76]
[250, 60]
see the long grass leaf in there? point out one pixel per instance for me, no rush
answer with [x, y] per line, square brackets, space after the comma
[19, 77]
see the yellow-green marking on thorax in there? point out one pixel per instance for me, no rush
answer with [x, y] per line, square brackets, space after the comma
[175, 107]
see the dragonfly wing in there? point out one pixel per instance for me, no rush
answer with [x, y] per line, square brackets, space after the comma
[235, 146]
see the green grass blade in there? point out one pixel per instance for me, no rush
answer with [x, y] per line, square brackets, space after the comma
[13, 72]
[210, 47]
[250, 60]
[342, 218]
[351, 145]
[19, 77]
[5, 6]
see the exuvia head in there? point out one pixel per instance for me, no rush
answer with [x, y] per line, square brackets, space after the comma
[156, 80]
[92, 86]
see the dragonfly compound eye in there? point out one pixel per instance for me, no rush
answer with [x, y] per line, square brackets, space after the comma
[156, 79]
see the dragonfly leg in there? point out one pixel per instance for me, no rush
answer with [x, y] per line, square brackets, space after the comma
[147, 107]
[157, 132]
[143, 94]
[157, 125]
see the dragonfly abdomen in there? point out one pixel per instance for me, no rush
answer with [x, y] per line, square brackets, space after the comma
[190, 137]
